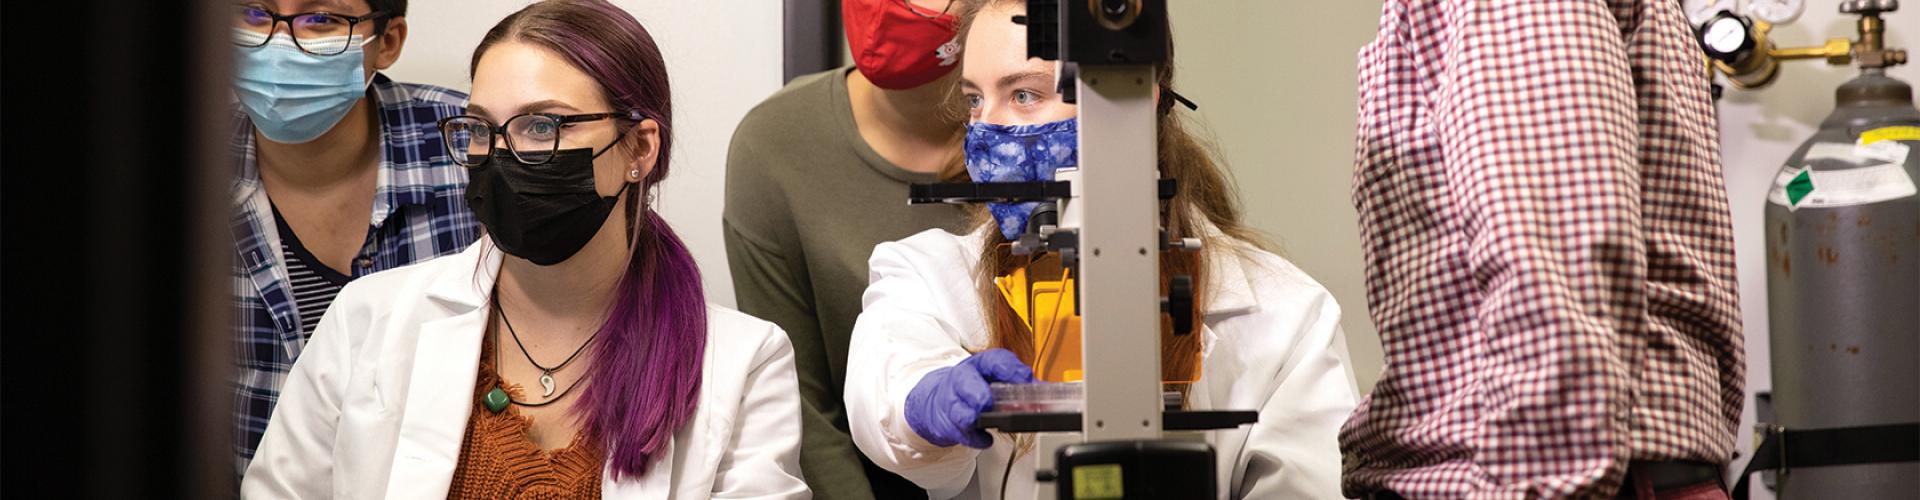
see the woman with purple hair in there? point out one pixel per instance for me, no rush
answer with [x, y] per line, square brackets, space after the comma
[570, 354]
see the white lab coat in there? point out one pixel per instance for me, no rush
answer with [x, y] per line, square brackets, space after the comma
[1272, 344]
[377, 405]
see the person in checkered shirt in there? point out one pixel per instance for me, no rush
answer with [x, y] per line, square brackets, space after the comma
[1549, 256]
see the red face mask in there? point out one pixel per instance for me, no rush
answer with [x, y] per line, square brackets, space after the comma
[896, 46]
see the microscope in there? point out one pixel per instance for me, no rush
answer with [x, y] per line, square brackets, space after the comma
[1119, 435]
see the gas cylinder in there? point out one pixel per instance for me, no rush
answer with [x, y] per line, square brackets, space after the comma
[1843, 276]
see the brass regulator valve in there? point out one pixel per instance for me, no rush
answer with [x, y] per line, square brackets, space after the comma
[1739, 47]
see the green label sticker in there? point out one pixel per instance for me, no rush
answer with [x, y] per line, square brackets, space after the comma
[1798, 188]
[1098, 482]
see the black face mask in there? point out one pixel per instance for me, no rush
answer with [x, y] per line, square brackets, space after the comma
[543, 213]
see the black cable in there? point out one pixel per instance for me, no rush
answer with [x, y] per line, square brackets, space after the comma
[502, 379]
[1008, 473]
[523, 347]
[498, 364]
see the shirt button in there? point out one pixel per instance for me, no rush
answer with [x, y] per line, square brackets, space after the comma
[366, 263]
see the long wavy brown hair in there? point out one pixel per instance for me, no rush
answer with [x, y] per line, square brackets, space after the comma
[1205, 195]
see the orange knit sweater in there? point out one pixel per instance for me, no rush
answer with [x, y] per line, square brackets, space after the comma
[499, 460]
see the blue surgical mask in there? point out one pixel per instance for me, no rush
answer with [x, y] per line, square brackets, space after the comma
[293, 96]
[1020, 153]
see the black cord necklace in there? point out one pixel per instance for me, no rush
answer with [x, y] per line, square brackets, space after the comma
[497, 399]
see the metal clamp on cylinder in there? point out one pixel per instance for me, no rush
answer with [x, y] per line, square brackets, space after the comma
[1784, 449]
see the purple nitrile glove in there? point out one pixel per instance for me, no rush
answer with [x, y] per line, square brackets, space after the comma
[944, 406]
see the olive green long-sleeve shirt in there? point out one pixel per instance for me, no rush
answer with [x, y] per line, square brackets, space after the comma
[807, 200]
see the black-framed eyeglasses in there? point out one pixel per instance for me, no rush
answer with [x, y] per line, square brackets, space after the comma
[533, 137]
[917, 11]
[317, 33]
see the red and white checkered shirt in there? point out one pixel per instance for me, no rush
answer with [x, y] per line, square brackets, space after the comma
[1549, 255]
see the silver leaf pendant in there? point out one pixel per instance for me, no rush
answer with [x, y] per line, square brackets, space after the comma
[546, 383]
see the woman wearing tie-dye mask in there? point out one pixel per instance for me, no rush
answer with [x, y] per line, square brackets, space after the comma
[939, 325]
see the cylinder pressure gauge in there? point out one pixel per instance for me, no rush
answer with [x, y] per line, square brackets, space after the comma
[1699, 11]
[1739, 48]
[1776, 11]
[1726, 37]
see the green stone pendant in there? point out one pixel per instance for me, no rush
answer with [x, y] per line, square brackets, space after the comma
[496, 400]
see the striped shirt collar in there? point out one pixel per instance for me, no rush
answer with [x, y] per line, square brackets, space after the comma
[395, 187]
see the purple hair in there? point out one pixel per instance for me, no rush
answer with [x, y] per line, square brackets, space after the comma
[644, 383]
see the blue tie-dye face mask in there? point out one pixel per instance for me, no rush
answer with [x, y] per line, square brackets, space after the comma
[1020, 153]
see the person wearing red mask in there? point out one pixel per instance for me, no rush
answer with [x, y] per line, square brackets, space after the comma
[833, 153]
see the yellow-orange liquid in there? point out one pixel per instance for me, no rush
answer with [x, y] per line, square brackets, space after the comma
[1047, 306]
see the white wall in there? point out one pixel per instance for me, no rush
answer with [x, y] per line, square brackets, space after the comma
[722, 58]
[1275, 85]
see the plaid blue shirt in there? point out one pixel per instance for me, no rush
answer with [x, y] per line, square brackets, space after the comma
[419, 212]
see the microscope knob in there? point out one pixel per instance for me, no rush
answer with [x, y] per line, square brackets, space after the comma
[1180, 304]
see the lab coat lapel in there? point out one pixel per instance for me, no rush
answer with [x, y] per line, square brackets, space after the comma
[657, 483]
[440, 392]
[1231, 290]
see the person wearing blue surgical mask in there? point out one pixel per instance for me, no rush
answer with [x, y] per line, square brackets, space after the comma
[938, 327]
[339, 173]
